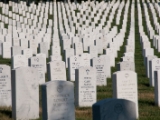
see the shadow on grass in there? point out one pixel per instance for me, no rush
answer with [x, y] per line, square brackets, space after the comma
[7, 112]
[146, 84]
[146, 102]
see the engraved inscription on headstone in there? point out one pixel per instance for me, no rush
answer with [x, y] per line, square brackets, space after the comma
[85, 84]
[125, 86]
[5, 85]
[73, 63]
[98, 64]
[58, 100]
[38, 63]
[56, 70]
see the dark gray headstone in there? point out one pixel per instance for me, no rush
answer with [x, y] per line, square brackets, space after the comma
[114, 109]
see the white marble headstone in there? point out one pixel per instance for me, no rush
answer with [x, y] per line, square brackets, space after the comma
[126, 65]
[100, 66]
[25, 93]
[43, 48]
[19, 61]
[16, 50]
[6, 50]
[58, 100]
[146, 61]
[68, 53]
[154, 65]
[85, 84]
[27, 52]
[73, 63]
[56, 70]
[124, 84]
